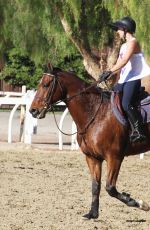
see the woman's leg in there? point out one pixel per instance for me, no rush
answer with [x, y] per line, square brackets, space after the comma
[130, 92]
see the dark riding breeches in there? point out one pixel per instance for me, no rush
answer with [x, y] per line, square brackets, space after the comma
[130, 93]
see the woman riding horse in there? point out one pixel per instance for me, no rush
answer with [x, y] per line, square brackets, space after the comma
[99, 134]
[133, 68]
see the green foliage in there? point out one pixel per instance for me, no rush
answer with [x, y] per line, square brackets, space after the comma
[35, 28]
[74, 63]
[20, 70]
[88, 21]
[72, 10]
[139, 10]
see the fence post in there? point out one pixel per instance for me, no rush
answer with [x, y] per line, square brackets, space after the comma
[22, 116]
[142, 156]
[60, 127]
[74, 143]
[29, 120]
[10, 123]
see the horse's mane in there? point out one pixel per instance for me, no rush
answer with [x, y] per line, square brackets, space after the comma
[54, 70]
[106, 94]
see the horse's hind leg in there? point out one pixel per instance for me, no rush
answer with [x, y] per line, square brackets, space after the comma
[113, 167]
[95, 167]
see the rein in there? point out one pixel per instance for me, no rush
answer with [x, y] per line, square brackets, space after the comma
[51, 107]
[86, 127]
[83, 91]
[67, 134]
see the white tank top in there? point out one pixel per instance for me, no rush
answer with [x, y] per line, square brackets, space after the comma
[136, 68]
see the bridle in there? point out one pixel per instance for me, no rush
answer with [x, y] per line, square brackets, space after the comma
[48, 106]
[51, 90]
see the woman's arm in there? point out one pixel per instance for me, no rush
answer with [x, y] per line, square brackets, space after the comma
[132, 46]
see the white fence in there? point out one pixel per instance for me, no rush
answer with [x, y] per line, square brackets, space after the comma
[28, 124]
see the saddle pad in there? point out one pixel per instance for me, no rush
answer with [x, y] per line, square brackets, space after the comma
[116, 110]
[144, 108]
[145, 101]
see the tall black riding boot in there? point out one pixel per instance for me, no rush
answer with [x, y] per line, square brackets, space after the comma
[135, 120]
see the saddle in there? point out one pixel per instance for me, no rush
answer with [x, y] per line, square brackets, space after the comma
[143, 106]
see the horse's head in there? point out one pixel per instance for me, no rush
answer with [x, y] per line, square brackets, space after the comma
[48, 92]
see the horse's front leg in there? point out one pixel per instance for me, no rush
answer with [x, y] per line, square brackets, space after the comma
[113, 167]
[95, 167]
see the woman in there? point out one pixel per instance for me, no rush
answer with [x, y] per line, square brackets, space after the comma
[133, 68]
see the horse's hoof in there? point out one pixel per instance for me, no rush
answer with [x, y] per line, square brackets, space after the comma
[91, 215]
[143, 205]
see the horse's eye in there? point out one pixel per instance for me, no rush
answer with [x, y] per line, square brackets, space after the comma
[45, 85]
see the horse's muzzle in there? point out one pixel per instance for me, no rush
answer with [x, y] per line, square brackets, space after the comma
[36, 113]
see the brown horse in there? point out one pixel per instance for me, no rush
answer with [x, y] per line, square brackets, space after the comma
[99, 134]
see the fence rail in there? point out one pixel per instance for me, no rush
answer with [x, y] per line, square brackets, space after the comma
[28, 124]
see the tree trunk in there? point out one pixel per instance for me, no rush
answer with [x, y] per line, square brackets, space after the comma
[93, 65]
[90, 61]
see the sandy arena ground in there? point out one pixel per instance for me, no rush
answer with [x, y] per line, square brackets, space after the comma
[43, 188]
[51, 190]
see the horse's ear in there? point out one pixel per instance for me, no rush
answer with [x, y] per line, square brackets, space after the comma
[49, 67]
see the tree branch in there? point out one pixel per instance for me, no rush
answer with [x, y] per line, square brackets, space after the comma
[90, 61]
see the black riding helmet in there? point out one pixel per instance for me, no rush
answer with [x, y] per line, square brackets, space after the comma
[126, 24]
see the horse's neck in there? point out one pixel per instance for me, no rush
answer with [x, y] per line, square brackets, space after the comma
[83, 108]
[82, 103]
